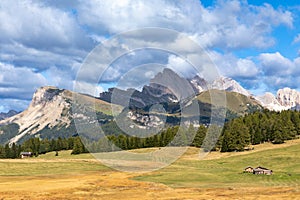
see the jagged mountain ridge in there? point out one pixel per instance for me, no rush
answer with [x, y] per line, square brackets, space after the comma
[10, 113]
[285, 99]
[168, 86]
[50, 108]
[223, 83]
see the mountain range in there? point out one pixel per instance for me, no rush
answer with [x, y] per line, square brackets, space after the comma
[51, 113]
[10, 113]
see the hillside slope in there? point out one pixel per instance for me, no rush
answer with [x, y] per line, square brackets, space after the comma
[50, 109]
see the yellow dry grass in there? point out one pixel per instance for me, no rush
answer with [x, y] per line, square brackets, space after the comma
[109, 184]
[118, 185]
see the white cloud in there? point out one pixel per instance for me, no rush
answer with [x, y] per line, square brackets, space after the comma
[231, 66]
[19, 83]
[181, 66]
[13, 104]
[53, 37]
[228, 24]
[118, 16]
[36, 25]
[275, 63]
[297, 39]
[279, 71]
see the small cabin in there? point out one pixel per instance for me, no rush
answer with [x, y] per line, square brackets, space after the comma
[262, 170]
[25, 154]
[248, 170]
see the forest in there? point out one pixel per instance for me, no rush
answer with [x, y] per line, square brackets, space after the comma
[236, 135]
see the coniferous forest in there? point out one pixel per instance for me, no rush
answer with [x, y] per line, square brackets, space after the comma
[236, 135]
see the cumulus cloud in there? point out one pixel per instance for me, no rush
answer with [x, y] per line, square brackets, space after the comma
[37, 26]
[52, 38]
[19, 82]
[231, 66]
[276, 64]
[181, 66]
[228, 24]
[13, 104]
[119, 16]
[279, 71]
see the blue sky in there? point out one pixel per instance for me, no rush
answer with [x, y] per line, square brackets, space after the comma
[43, 43]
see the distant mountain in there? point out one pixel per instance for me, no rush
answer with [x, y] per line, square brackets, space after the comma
[285, 99]
[8, 114]
[49, 115]
[175, 93]
[230, 85]
[223, 83]
[165, 87]
[166, 101]
[168, 86]
[236, 103]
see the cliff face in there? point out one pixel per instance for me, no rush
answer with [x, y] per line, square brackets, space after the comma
[222, 83]
[288, 97]
[49, 107]
[269, 101]
[285, 99]
[230, 85]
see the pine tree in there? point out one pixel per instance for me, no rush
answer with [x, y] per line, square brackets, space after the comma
[200, 135]
[14, 152]
[236, 136]
[78, 147]
[7, 151]
[278, 139]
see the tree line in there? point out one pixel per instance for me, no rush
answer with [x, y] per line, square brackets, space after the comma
[39, 146]
[236, 135]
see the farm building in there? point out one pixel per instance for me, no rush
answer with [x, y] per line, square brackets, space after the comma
[262, 170]
[248, 170]
[25, 154]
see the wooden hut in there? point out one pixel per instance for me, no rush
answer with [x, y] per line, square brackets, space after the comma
[262, 170]
[25, 154]
[248, 170]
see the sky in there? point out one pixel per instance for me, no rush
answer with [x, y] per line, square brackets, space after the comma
[257, 43]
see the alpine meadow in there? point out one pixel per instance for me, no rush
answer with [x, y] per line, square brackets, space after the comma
[162, 99]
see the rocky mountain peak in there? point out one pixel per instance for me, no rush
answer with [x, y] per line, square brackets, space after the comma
[230, 85]
[10, 113]
[269, 101]
[285, 99]
[176, 85]
[49, 108]
[199, 84]
[45, 94]
[288, 97]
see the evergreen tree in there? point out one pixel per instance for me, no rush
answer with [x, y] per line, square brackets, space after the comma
[278, 139]
[14, 151]
[236, 136]
[7, 151]
[78, 146]
[200, 135]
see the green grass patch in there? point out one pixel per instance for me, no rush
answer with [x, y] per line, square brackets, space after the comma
[285, 162]
[47, 168]
[64, 155]
[49, 164]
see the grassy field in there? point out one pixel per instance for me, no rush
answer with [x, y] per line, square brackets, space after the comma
[228, 172]
[218, 176]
